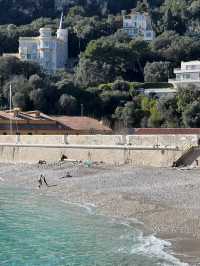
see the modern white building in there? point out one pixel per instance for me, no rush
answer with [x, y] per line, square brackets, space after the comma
[138, 24]
[188, 74]
[51, 52]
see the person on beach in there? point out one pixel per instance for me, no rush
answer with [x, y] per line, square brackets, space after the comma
[40, 181]
[44, 179]
[68, 175]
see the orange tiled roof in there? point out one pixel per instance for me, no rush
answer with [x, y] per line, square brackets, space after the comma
[29, 120]
[82, 123]
[30, 115]
[166, 131]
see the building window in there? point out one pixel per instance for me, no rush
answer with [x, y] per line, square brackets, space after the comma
[148, 34]
[187, 76]
[29, 56]
[178, 77]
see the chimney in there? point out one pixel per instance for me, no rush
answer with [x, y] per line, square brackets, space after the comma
[16, 112]
[37, 114]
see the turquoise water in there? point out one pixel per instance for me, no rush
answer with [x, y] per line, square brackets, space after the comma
[39, 230]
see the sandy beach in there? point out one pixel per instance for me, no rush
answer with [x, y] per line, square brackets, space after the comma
[166, 201]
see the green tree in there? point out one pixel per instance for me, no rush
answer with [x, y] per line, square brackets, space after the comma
[131, 114]
[39, 100]
[120, 85]
[186, 96]
[191, 116]
[155, 119]
[157, 72]
[19, 100]
[171, 114]
[111, 58]
[68, 104]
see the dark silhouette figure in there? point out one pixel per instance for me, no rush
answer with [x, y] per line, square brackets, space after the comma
[44, 179]
[40, 162]
[63, 157]
[40, 181]
[68, 175]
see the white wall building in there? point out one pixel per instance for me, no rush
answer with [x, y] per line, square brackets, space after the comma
[189, 73]
[138, 24]
[51, 52]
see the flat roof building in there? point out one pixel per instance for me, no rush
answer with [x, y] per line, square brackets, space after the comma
[83, 124]
[138, 24]
[188, 74]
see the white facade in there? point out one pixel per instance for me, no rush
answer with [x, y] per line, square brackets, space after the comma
[189, 73]
[159, 92]
[138, 24]
[51, 52]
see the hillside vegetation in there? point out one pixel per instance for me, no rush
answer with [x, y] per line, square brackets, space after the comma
[106, 66]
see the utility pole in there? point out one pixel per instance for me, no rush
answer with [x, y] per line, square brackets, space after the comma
[82, 109]
[10, 103]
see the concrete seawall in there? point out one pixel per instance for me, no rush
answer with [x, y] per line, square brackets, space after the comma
[136, 150]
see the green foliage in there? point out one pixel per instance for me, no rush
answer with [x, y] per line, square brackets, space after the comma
[121, 85]
[131, 114]
[157, 72]
[148, 85]
[187, 96]
[67, 104]
[155, 119]
[19, 100]
[191, 116]
[168, 107]
[110, 100]
[109, 67]
[108, 58]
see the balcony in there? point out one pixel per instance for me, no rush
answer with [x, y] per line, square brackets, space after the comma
[181, 80]
[46, 45]
[184, 70]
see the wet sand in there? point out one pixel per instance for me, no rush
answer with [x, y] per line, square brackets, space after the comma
[167, 201]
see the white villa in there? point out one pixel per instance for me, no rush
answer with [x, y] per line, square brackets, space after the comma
[51, 52]
[138, 24]
[189, 73]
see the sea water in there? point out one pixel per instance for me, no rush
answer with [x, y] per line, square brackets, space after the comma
[39, 230]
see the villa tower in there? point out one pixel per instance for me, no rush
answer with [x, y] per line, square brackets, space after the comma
[51, 52]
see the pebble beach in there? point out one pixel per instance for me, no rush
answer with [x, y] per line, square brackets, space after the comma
[163, 201]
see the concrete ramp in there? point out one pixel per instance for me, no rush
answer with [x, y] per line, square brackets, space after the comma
[189, 157]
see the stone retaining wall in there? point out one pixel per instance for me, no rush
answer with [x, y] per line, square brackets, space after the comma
[179, 141]
[135, 150]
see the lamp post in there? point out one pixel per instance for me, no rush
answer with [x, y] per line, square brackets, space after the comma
[10, 103]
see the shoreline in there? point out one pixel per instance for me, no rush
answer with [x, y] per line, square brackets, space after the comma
[166, 201]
